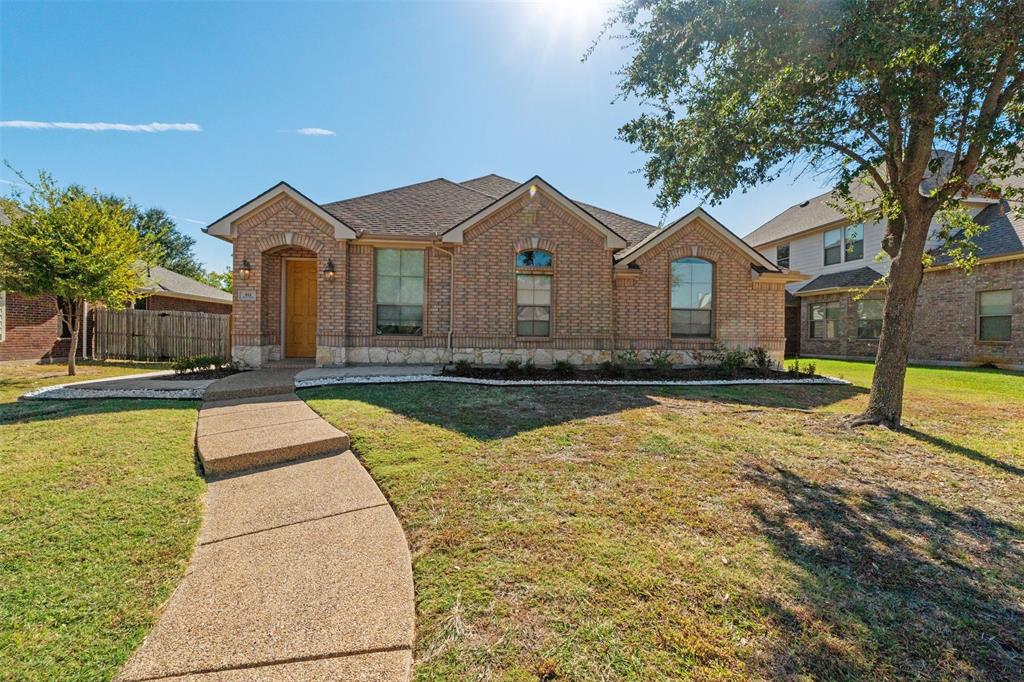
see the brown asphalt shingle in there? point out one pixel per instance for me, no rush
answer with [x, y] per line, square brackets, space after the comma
[427, 209]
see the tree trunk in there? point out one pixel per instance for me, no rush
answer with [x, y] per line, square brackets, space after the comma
[75, 317]
[885, 406]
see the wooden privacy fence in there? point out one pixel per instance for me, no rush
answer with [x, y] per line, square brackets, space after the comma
[160, 334]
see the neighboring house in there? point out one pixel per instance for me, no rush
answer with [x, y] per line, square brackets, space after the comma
[488, 270]
[960, 319]
[31, 328]
[167, 290]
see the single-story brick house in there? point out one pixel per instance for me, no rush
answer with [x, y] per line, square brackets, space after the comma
[31, 328]
[488, 270]
[960, 318]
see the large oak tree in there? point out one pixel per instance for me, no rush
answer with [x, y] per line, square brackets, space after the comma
[737, 92]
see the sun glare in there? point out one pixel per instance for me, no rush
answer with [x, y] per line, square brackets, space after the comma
[576, 16]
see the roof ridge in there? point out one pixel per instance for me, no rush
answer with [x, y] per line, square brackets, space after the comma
[388, 191]
[616, 213]
[461, 186]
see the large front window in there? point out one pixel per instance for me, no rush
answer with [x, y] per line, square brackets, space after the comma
[399, 291]
[995, 314]
[825, 320]
[533, 293]
[692, 297]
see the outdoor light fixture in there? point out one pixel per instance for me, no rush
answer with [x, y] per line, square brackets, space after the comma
[245, 269]
[329, 270]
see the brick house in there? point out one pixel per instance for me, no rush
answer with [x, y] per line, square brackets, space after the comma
[488, 270]
[31, 328]
[959, 319]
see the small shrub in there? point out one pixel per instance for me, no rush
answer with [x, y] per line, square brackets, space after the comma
[513, 367]
[189, 364]
[564, 369]
[732, 361]
[760, 359]
[661, 361]
[184, 364]
[699, 357]
[611, 370]
[463, 366]
[628, 358]
[794, 368]
[810, 369]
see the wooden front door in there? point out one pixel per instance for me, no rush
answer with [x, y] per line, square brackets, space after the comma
[300, 309]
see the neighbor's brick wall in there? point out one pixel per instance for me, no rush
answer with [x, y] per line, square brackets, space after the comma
[485, 273]
[945, 319]
[745, 311]
[846, 343]
[262, 237]
[186, 305]
[33, 330]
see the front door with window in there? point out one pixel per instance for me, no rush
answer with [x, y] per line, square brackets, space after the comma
[300, 309]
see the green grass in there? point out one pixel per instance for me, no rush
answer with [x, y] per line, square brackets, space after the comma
[716, 533]
[99, 508]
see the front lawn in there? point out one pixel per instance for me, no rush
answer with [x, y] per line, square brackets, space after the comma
[99, 508]
[726, 533]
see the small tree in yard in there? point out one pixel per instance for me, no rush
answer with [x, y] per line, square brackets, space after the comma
[75, 245]
[882, 94]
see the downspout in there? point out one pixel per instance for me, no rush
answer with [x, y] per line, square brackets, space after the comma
[451, 299]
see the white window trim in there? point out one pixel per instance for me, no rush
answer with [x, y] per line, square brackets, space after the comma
[843, 253]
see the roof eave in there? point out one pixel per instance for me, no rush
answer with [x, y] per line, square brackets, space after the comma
[224, 227]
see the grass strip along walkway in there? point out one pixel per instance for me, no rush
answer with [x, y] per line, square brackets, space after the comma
[99, 510]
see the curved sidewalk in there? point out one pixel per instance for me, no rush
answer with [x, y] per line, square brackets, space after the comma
[301, 571]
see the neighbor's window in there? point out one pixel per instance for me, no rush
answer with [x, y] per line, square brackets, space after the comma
[399, 291]
[854, 237]
[825, 320]
[782, 255]
[995, 312]
[869, 318]
[533, 294]
[833, 246]
[692, 298]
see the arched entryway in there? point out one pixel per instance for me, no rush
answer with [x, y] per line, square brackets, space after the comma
[290, 307]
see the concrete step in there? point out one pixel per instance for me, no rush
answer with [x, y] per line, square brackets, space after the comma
[235, 436]
[252, 384]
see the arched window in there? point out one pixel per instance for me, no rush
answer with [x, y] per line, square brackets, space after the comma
[692, 297]
[533, 293]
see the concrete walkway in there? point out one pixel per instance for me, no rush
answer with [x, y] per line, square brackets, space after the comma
[301, 572]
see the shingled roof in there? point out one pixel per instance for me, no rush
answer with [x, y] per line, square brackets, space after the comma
[1004, 236]
[847, 279]
[160, 280]
[427, 209]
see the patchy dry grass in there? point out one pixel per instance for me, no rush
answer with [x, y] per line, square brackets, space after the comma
[727, 533]
[99, 508]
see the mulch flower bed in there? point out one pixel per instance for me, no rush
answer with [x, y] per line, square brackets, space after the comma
[203, 374]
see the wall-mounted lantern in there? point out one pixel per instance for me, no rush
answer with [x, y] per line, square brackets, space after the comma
[329, 269]
[245, 269]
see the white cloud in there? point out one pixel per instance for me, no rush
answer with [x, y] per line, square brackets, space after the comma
[187, 220]
[318, 132]
[98, 127]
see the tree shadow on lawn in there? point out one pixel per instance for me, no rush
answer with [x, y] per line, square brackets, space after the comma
[495, 412]
[889, 584]
[25, 411]
[963, 451]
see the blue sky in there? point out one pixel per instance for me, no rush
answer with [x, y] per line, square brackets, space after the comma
[412, 91]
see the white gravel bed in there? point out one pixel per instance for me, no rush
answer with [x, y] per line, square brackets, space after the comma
[421, 378]
[66, 392]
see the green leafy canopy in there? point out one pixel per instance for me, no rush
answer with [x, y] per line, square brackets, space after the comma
[77, 245]
[737, 92]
